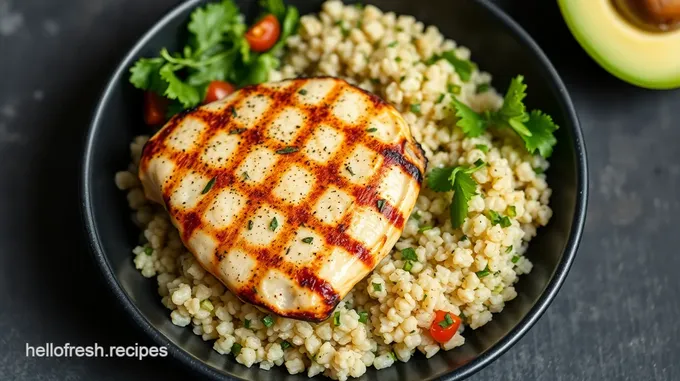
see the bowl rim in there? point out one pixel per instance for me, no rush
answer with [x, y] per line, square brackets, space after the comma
[512, 337]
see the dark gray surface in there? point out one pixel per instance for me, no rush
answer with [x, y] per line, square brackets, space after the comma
[616, 317]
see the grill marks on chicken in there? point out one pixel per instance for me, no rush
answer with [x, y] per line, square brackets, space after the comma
[289, 193]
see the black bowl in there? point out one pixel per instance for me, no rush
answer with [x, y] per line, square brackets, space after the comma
[498, 45]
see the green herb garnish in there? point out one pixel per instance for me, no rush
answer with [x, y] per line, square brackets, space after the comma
[463, 68]
[236, 349]
[482, 147]
[268, 321]
[209, 185]
[408, 265]
[216, 49]
[380, 204]
[515, 259]
[458, 179]
[377, 287]
[363, 317]
[336, 318]
[511, 211]
[409, 254]
[535, 128]
[494, 217]
[483, 273]
[308, 240]
[287, 150]
[302, 92]
[237, 131]
[463, 238]
[497, 219]
[440, 98]
[372, 129]
[273, 224]
[250, 224]
[392, 44]
[447, 322]
[454, 89]
[285, 345]
[246, 323]
[148, 251]
[415, 108]
[509, 249]
[424, 229]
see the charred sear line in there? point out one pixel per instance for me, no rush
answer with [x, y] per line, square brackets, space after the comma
[398, 158]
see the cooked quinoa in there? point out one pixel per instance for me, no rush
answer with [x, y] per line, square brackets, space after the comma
[468, 271]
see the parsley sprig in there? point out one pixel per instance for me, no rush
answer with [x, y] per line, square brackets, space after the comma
[535, 128]
[459, 180]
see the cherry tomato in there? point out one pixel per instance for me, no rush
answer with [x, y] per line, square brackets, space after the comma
[155, 107]
[218, 90]
[263, 35]
[444, 326]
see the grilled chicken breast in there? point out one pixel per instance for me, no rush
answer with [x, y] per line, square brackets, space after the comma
[290, 192]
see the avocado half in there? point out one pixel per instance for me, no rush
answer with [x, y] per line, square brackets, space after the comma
[642, 57]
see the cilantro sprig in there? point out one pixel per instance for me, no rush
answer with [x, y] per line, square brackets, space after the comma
[535, 128]
[216, 49]
[459, 180]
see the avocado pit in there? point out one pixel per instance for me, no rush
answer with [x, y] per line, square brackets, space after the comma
[656, 16]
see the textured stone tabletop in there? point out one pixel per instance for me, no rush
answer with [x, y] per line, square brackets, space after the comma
[616, 317]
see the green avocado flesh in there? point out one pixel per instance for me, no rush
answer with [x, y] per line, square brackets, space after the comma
[644, 55]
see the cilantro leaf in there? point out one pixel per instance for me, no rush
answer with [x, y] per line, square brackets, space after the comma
[209, 23]
[258, 71]
[513, 111]
[144, 75]
[542, 139]
[472, 123]
[464, 187]
[513, 105]
[535, 129]
[438, 179]
[186, 94]
[458, 179]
